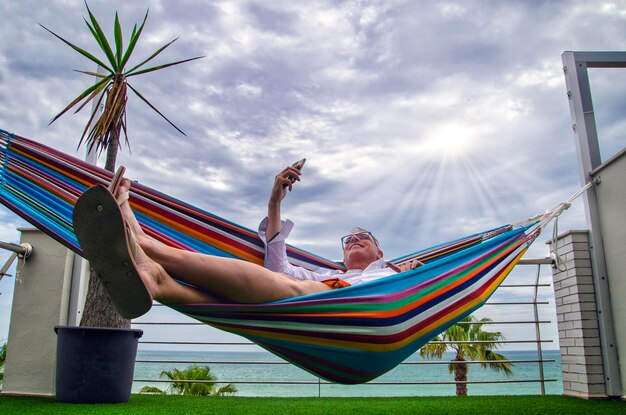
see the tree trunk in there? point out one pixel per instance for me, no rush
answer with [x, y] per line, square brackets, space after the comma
[99, 310]
[460, 376]
[112, 154]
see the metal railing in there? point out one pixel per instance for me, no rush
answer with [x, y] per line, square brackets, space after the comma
[529, 319]
[18, 251]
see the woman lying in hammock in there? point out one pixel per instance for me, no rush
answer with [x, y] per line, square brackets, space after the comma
[136, 268]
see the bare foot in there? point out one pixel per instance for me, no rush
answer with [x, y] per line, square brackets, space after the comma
[127, 213]
[160, 285]
[163, 288]
[145, 241]
[151, 273]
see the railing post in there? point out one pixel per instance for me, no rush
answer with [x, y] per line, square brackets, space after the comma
[538, 332]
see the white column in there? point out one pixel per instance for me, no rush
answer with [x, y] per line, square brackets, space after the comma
[42, 285]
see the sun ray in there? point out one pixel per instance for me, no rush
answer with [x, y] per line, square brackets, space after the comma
[482, 189]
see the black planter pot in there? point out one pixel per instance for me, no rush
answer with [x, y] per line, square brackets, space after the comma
[95, 365]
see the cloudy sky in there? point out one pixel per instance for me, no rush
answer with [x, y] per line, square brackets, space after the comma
[420, 120]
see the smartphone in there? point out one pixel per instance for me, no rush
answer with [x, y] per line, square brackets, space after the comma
[297, 165]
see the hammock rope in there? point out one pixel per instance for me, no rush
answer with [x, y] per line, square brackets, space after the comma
[350, 335]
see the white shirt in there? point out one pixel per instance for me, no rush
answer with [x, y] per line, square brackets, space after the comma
[276, 260]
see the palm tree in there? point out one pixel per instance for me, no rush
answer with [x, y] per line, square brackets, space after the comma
[112, 87]
[182, 386]
[3, 358]
[473, 344]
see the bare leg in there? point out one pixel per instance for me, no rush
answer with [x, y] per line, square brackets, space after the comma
[144, 240]
[231, 279]
[128, 214]
[163, 287]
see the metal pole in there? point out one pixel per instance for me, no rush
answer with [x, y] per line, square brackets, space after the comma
[575, 66]
[23, 249]
[91, 156]
[19, 251]
[538, 332]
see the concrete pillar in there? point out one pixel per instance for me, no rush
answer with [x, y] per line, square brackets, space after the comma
[40, 302]
[579, 338]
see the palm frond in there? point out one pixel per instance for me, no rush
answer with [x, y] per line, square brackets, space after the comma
[91, 97]
[434, 349]
[3, 354]
[229, 389]
[3, 357]
[96, 74]
[94, 34]
[156, 110]
[117, 30]
[126, 132]
[152, 390]
[85, 93]
[134, 38]
[101, 38]
[158, 51]
[79, 50]
[458, 332]
[107, 127]
[91, 118]
[156, 68]
[109, 122]
[497, 362]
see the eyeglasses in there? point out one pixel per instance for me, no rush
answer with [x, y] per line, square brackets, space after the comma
[356, 237]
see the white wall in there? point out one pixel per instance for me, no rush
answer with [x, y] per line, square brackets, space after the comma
[611, 195]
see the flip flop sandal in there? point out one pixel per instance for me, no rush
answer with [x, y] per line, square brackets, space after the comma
[115, 183]
[104, 238]
[116, 179]
[121, 198]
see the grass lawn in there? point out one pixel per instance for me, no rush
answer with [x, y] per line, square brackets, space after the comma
[172, 405]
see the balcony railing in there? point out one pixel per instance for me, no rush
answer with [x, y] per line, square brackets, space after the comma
[526, 299]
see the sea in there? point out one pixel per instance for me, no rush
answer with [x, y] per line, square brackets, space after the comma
[237, 367]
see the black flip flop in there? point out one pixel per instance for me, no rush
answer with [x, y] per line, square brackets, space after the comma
[103, 237]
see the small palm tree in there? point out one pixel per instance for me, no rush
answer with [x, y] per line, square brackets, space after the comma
[3, 358]
[106, 132]
[474, 344]
[111, 87]
[181, 386]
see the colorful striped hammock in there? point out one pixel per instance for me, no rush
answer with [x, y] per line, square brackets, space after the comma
[350, 335]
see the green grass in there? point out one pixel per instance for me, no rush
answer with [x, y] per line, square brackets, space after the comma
[172, 405]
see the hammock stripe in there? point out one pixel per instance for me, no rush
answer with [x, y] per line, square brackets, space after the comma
[350, 335]
[41, 185]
